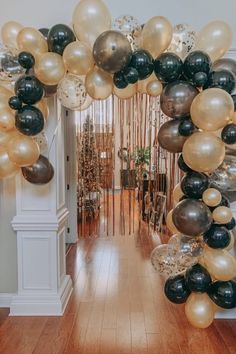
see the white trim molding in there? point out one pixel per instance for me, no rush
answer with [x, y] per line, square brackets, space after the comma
[6, 300]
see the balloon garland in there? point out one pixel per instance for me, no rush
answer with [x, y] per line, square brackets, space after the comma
[195, 86]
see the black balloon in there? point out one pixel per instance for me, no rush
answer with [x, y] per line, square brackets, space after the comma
[59, 37]
[29, 120]
[44, 32]
[142, 61]
[182, 165]
[176, 289]
[26, 60]
[131, 75]
[198, 278]
[168, 67]
[200, 79]
[193, 184]
[29, 89]
[15, 103]
[224, 201]
[223, 293]
[41, 172]
[186, 127]
[228, 134]
[169, 137]
[196, 62]
[234, 99]
[230, 225]
[119, 80]
[223, 79]
[217, 236]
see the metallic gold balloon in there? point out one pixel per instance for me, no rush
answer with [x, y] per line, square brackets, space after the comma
[7, 119]
[220, 263]
[224, 64]
[199, 310]
[125, 93]
[169, 137]
[203, 152]
[43, 107]
[49, 68]
[7, 168]
[10, 32]
[90, 19]
[215, 39]
[169, 223]
[154, 88]
[78, 58]
[6, 136]
[23, 150]
[156, 35]
[222, 215]
[233, 118]
[99, 84]
[112, 51]
[212, 109]
[177, 193]
[32, 41]
[5, 94]
[142, 84]
[211, 197]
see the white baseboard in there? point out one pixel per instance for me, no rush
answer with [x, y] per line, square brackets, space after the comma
[5, 299]
[226, 314]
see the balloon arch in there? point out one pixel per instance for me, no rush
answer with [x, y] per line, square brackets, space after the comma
[195, 86]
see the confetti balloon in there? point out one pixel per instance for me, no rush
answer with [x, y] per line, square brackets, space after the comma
[10, 69]
[189, 247]
[42, 141]
[71, 92]
[183, 40]
[126, 24]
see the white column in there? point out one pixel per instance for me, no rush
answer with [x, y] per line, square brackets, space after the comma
[41, 214]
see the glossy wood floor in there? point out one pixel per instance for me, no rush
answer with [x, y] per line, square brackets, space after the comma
[117, 307]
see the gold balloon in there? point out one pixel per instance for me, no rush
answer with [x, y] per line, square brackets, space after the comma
[199, 310]
[7, 168]
[215, 39]
[156, 35]
[23, 150]
[10, 32]
[78, 58]
[222, 215]
[154, 88]
[43, 107]
[212, 109]
[211, 197]
[7, 119]
[99, 84]
[125, 93]
[5, 94]
[233, 118]
[177, 193]
[142, 84]
[220, 263]
[203, 152]
[232, 242]
[169, 223]
[90, 19]
[32, 41]
[6, 136]
[49, 68]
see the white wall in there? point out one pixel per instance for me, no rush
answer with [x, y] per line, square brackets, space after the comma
[44, 13]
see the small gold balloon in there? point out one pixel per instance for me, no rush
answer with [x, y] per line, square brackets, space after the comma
[78, 58]
[154, 88]
[177, 193]
[142, 84]
[49, 68]
[99, 84]
[203, 152]
[23, 150]
[232, 242]
[10, 32]
[211, 197]
[7, 119]
[169, 223]
[219, 263]
[43, 107]
[222, 215]
[125, 93]
[7, 168]
[32, 41]
[199, 310]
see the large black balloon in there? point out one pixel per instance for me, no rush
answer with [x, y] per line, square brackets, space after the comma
[176, 289]
[142, 61]
[193, 184]
[29, 89]
[196, 62]
[230, 225]
[198, 279]
[41, 172]
[182, 165]
[223, 79]
[228, 134]
[186, 127]
[59, 37]
[29, 120]
[217, 236]
[168, 67]
[131, 75]
[26, 60]
[223, 293]
[119, 80]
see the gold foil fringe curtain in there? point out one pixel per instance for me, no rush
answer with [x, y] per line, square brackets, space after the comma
[122, 132]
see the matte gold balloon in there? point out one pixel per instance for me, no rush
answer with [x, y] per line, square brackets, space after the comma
[220, 263]
[5, 94]
[199, 310]
[7, 168]
[78, 58]
[32, 41]
[212, 109]
[215, 39]
[142, 84]
[177, 193]
[43, 107]
[6, 136]
[222, 215]
[90, 19]
[232, 242]
[169, 223]
[23, 150]
[125, 93]
[154, 88]
[233, 118]
[203, 152]
[10, 32]
[99, 84]
[157, 35]
[49, 68]
[7, 119]
[211, 197]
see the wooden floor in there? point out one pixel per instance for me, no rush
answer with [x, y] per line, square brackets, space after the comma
[117, 306]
